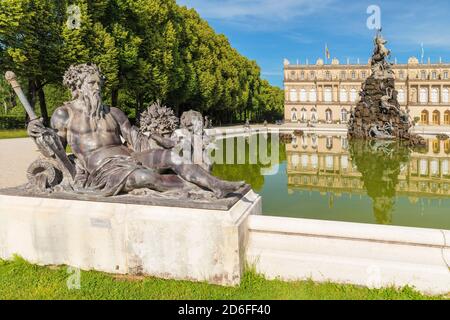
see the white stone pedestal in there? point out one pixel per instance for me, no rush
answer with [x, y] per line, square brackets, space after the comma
[375, 256]
[166, 242]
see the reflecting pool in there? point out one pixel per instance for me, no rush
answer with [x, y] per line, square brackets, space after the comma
[327, 177]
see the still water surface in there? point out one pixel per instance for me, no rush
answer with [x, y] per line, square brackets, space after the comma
[327, 177]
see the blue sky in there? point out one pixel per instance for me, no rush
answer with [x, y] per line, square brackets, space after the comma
[270, 30]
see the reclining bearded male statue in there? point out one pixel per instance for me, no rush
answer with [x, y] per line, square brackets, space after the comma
[106, 166]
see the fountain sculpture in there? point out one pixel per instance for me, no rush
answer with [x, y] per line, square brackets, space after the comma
[378, 114]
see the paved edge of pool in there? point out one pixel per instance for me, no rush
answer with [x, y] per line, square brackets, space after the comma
[336, 129]
[374, 256]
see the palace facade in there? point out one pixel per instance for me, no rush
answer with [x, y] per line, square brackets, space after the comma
[326, 93]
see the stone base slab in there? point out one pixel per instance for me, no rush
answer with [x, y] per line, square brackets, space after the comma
[350, 253]
[166, 242]
[156, 199]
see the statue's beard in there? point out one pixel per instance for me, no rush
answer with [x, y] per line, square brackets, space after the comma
[94, 104]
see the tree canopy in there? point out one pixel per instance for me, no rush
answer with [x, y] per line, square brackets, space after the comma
[148, 50]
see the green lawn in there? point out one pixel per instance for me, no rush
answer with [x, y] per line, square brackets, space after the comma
[9, 134]
[21, 280]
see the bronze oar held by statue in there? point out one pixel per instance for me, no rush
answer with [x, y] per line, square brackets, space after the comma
[46, 139]
[12, 79]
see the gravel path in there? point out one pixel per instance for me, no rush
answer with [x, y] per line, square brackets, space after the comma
[15, 157]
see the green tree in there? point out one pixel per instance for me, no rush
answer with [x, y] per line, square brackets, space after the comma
[148, 50]
[77, 33]
[30, 44]
[87, 40]
[270, 102]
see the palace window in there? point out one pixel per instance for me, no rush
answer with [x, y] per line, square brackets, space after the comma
[434, 75]
[423, 75]
[424, 117]
[328, 95]
[343, 95]
[363, 75]
[303, 96]
[329, 143]
[353, 75]
[343, 76]
[302, 75]
[314, 160]
[447, 150]
[328, 116]
[344, 162]
[304, 146]
[329, 160]
[294, 114]
[314, 146]
[305, 161]
[402, 75]
[423, 165]
[294, 142]
[303, 115]
[434, 95]
[423, 96]
[436, 117]
[314, 115]
[295, 160]
[353, 95]
[292, 76]
[344, 115]
[436, 146]
[445, 75]
[445, 165]
[344, 143]
[447, 117]
[293, 95]
[312, 95]
[445, 95]
[401, 96]
[434, 167]
[328, 75]
[312, 75]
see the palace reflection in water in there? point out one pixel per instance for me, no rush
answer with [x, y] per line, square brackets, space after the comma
[328, 178]
[325, 164]
[385, 171]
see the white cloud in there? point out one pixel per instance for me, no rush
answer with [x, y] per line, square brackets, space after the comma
[299, 38]
[272, 73]
[432, 35]
[409, 25]
[404, 22]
